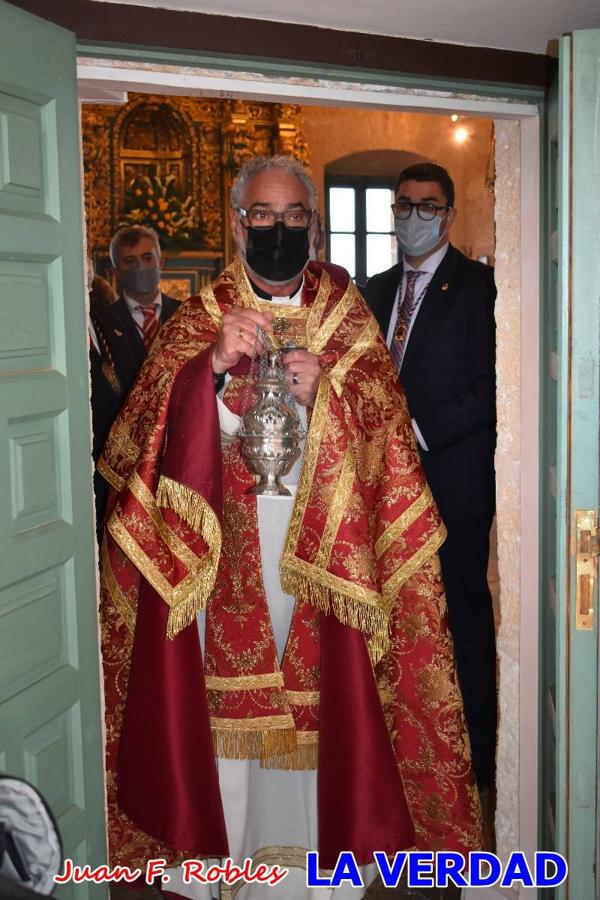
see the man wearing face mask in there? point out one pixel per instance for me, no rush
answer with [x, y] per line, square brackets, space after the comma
[287, 636]
[141, 307]
[436, 309]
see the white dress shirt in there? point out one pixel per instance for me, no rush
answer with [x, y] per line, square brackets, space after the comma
[93, 335]
[136, 313]
[428, 267]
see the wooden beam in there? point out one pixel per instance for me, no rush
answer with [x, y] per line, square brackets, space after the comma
[203, 33]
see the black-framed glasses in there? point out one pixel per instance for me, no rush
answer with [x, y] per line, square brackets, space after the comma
[263, 217]
[426, 211]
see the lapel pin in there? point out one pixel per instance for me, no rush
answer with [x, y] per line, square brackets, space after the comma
[445, 286]
[118, 333]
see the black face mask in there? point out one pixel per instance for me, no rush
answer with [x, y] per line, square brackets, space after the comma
[277, 254]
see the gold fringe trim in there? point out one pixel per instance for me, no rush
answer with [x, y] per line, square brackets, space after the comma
[189, 506]
[369, 619]
[185, 612]
[196, 512]
[305, 757]
[261, 744]
[378, 645]
[176, 545]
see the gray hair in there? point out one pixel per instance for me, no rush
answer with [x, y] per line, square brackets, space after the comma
[130, 235]
[259, 164]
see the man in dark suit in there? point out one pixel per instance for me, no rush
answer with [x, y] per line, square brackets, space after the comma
[114, 364]
[436, 309]
[141, 307]
[121, 334]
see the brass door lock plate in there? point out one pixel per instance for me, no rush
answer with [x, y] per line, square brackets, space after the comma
[587, 543]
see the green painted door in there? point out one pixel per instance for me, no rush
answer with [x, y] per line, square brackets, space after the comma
[569, 465]
[50, 721]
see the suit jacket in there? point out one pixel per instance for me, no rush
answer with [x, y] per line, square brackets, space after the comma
[121, 311]
[122, 347]
[119, 355]
[448, 375]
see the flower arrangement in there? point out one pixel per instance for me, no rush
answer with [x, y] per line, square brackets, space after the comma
[155, 201]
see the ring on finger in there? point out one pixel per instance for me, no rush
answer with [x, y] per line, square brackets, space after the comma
[295, 379]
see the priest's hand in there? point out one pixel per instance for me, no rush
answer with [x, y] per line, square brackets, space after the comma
[302, 370]
[238, 337]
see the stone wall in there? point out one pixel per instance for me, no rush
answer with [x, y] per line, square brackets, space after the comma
[332, 133]
[508, 473]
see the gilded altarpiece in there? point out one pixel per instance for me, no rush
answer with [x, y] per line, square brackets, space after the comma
[202, 142]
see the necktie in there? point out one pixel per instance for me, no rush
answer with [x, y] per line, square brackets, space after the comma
[405, 314]
[151, 324]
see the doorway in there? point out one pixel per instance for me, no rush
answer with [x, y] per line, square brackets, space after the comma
[516, 216]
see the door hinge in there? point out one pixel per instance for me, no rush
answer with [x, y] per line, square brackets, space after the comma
[587, 548]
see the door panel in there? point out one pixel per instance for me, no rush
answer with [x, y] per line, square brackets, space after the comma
[584, 450]
[553, 400]
[570, 460]
[50, 721]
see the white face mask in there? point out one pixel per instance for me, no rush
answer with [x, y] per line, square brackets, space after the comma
[416, 237]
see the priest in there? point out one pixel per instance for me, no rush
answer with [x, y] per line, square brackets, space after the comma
[279, 674]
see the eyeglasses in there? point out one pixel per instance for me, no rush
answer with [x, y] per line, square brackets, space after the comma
[426, 211]
[263, 217]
